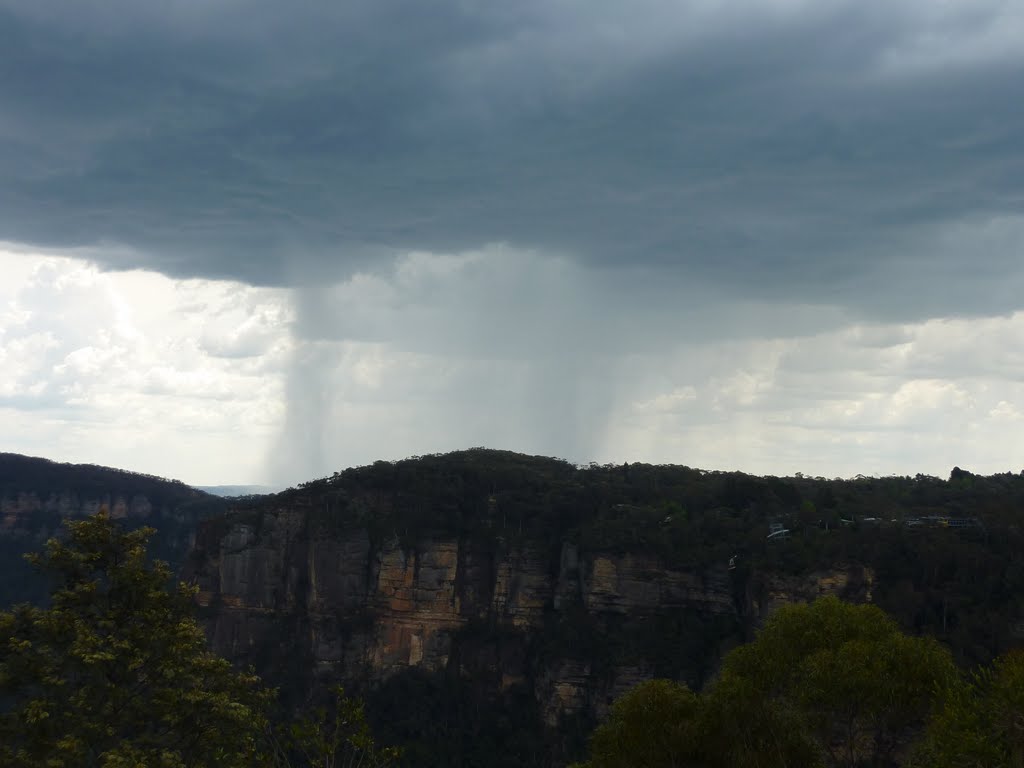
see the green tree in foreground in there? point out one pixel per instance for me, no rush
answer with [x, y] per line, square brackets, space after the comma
[116, 671]
[662, 724]
[334, 737]
[822, 684]
[654, 725]
[860, 686]
[982, 722]
[742, 727]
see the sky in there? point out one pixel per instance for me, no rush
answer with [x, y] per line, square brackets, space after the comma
[254, 242]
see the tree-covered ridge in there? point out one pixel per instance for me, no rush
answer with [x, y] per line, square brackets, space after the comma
[960, 584]
[467, 488]
[30, 474]
[36, 495]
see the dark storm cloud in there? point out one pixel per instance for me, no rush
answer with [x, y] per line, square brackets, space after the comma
[831, 153]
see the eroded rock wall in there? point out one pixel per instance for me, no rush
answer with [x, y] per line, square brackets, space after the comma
[345, 605]
[17, 509]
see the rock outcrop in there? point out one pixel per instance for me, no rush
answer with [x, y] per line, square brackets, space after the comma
[338, 603]
[17, 510]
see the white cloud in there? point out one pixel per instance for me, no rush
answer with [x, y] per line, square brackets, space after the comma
[862, 399]
[133, 369]
[219, 382]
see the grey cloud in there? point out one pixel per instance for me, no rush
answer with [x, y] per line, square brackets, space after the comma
[779, 154]
[416, 404]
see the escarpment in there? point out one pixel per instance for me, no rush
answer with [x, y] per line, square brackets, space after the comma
[454, 570]
[488, 603]
[489, 606]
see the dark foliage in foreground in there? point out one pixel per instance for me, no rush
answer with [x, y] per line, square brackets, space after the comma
[115, 673]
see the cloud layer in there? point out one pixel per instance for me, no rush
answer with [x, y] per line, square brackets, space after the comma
[779, 148]
[764, 234]
[192, 378]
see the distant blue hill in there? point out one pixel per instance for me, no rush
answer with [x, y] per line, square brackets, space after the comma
[239, 490]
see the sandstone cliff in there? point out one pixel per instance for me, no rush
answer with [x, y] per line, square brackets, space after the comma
[20, 509]
[572, 626]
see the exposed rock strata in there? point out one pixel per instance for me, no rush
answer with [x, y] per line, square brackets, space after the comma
[367, 610]
[16, 509]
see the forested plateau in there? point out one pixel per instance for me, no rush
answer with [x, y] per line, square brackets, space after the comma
[490, 606]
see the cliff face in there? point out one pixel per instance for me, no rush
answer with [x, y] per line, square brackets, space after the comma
[19, 510]
[573, 627]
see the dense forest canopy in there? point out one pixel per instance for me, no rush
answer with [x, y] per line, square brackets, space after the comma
[30, 474]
